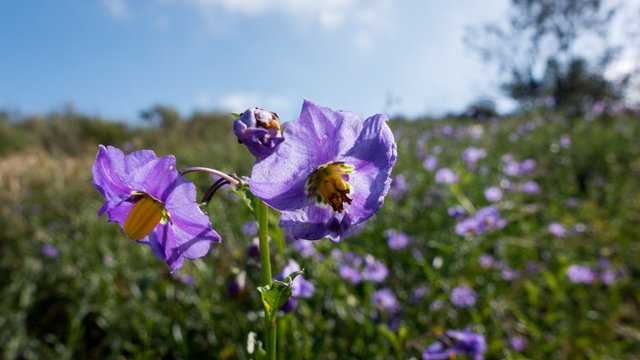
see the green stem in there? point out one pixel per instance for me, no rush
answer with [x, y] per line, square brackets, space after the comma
[265, 262]
[462, 199]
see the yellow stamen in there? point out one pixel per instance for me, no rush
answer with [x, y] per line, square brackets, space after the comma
[144, 217]
[329, 185]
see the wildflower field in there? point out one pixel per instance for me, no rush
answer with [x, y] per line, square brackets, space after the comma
[519, 232]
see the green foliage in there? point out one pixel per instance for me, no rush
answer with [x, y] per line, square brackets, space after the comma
[104, 297]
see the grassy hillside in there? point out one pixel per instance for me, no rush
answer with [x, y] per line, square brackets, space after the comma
[558, 277]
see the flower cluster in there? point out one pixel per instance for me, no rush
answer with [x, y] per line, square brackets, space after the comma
[356, 269]
[456, 342]
[485, 219]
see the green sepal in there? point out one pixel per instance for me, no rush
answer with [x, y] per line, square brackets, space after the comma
[247, 197]
[275, 295]
[236, 115]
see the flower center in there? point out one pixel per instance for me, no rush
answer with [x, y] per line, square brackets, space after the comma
[329, 184]
[144, 217]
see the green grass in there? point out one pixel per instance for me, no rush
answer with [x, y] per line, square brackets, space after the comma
[104, 297]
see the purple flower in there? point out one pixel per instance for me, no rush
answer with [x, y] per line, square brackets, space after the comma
[301, 287]
[446, 176]
[259, 130]
[463, 296]
[530, 187]
[253, 249]
[557, 230]
[349, 273]
[527, 166]
[508, 274]
[49, 250]
[430, 162]
[384, 299]
[436, 305]
[250, 228]
[153, 204]
[454, 342]
[518, 343]
[471, 155]
[237, 283]
[374, 270]
[399, 187]
[493, 194]
[330, 174]
[457, 212]
[580, 274]
[304, 248]
[565, 141]
[485, 219]
[486, 261]
[397, 240]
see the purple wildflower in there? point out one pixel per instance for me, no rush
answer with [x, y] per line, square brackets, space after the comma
[436, 305]
[399, 187]
[530, 187]
[580, 274]
[301, 287]
[446, 176]
[557, 230]
[430, 162]
[463, 296]
[397, 240]
[374, 270]
[349, 273]
[384, 299]
[330, 174]
[486, 261]
[259, 130]
[304, 248]
[527, 166]
[509, 274]
[471, 155]
[457, 212]
[250, 228]
[493, 194]
[565, 141]
[485, 219]
[454, 342]
[49, 250]
[518, 343]
[153, 204]
[253, 249]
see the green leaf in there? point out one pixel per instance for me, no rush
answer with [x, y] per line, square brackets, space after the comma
[275, 295]
[236, 115]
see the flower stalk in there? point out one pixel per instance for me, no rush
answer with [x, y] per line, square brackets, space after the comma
[265, 262]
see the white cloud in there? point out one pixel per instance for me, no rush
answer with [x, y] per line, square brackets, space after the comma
[362, 19]
[238, 102]
[119, 9]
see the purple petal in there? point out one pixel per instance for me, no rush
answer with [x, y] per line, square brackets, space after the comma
[108, 177]
[373, 157]
[155, 177]
[190, 224]
[163, 244]
[315, 222]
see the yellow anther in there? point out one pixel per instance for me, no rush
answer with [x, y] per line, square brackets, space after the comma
[329, 185]
[144, 217]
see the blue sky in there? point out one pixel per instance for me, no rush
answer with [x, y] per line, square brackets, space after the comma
[117, 57]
